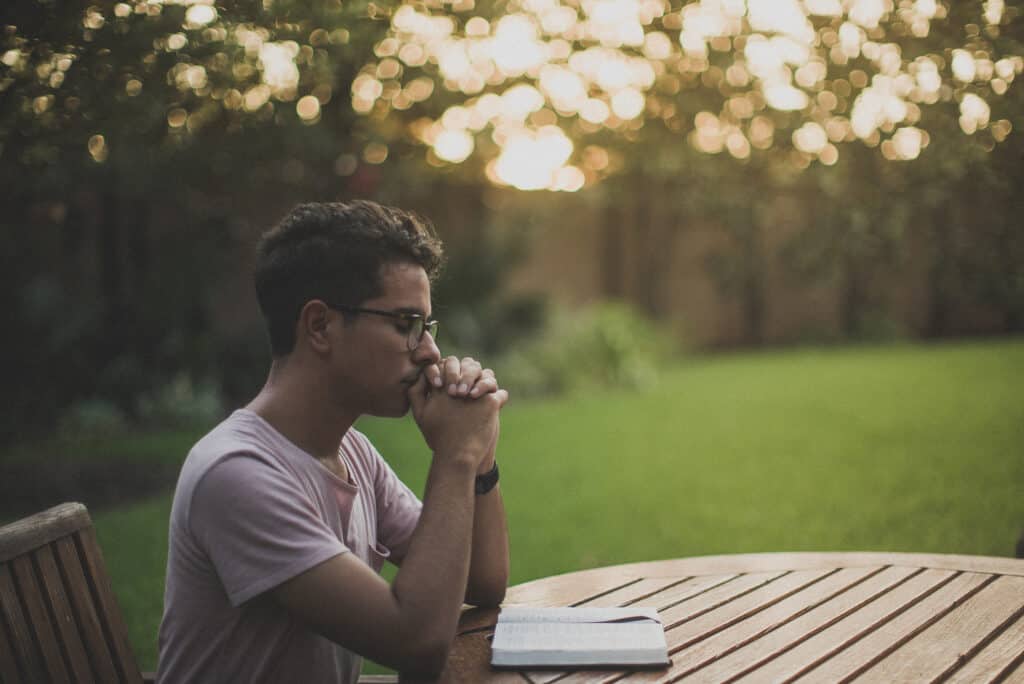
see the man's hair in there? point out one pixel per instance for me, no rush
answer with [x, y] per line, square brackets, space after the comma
[334, 251]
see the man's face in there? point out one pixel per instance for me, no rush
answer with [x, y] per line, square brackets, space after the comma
[377, 366]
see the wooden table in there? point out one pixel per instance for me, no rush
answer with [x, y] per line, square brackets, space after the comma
[812, 617]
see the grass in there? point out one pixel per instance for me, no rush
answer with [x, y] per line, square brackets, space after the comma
[908, 448]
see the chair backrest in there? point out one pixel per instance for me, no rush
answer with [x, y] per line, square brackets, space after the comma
[59, 620]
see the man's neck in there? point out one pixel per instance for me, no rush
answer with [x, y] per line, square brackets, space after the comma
[301, 409]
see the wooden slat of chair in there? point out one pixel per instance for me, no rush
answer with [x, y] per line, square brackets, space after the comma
[31, 593]
[58, 608]
[23, 646]
[85, 612]
[8, 666]
[63, 614]
[114, 627]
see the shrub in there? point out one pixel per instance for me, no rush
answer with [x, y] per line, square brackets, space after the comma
[605, 345]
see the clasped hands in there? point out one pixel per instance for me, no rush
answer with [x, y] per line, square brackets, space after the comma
[455, 404]
[461, 378]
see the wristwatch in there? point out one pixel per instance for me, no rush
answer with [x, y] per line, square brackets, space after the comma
[485, 483]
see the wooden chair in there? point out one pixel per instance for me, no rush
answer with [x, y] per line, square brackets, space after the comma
[60, 620]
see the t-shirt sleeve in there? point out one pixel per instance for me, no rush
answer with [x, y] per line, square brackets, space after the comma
[398, 509]
[258, 527]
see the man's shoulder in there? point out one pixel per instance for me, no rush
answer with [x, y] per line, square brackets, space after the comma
[240, 457]
[240, 435]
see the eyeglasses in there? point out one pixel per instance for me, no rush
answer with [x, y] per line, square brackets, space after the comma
[418, 323]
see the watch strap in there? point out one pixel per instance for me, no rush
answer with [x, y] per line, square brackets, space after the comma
[485, 483]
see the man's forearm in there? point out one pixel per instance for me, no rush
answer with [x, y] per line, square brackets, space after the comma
[434, 572]
[489, 563]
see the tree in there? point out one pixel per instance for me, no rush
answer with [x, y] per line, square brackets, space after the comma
[123, 126]
[556, 96]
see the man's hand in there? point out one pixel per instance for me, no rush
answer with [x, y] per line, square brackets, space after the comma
[462, 378]
[456, 391]
[466, 378]
[459, 428]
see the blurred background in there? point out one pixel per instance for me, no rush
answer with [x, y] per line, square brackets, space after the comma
[752, 269]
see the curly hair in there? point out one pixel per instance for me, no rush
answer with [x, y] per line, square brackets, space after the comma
[334, 251]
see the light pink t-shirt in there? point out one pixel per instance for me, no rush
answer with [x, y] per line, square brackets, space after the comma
[250, 511]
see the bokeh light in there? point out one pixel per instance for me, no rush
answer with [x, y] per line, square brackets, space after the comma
[795, 79]
[615, 64]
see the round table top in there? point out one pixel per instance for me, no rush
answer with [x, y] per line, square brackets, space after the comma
[792, 616]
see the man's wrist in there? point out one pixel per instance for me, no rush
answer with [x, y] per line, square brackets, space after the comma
[486, 465]
[455, 461]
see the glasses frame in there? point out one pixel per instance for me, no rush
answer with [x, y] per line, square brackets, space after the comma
[412, 341]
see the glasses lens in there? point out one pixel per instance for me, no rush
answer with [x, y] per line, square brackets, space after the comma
[415, 333]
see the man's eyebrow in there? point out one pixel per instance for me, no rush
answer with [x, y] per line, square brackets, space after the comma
[410, 310]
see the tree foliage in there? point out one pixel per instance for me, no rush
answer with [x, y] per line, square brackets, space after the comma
[528, 84]
[137, 139]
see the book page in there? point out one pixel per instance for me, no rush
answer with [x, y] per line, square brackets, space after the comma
[588, 637]
[516, 614]
[534, 637]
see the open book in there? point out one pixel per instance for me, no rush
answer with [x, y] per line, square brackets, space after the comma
[579, 637]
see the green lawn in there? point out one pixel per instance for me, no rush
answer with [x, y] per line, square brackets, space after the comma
[908, 448]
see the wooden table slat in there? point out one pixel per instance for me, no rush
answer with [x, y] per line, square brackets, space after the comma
[793, 633]
[677, 612]
[1014, 674]
[999, 658]
[847, 630]
[694, 587]
[681, 634]
[782, 617]
[792, 591]
[679, 603]
[956, 637]
[703, 653]
[640, 591]
[568, 590]
[891, 634]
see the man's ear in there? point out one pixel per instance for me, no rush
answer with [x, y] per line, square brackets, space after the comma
[314, 322]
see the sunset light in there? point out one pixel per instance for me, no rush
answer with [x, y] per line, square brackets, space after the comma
[550, 71]
[796, 80]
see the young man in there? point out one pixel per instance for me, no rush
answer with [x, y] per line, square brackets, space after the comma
[284, 513]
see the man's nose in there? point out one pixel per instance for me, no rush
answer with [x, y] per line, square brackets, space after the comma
[427, 351]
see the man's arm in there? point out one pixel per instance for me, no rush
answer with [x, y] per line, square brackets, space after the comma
[489, 560]
[411, 624]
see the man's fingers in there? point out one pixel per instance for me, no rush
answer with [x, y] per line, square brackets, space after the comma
[433, 373]
[460, 375]
[450, 369]
[484, 385]
[501, 396]
[469, 373]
